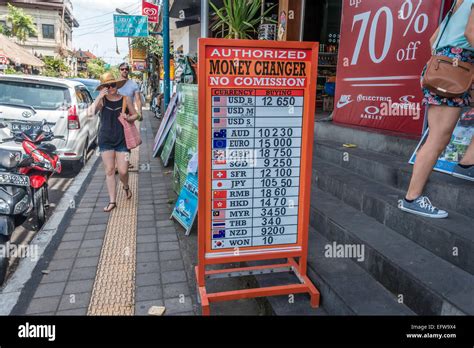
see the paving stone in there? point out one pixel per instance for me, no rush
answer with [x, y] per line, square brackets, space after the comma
[147, 247]
[74, 301]
[174, 306]
[50, 289]
[64, 254]
[170, 255]
[147, 293]
[168, 246]
[55, 276]
[99, 221]
[84, 210]
[43, 305]
[69, 245]
[147, 267]
[79, 222]
[146, 257]
[73, 312]
[146, 230]
[165, 223]
[78, 286]
[175, 290]
[171, 265]
[87, 252]
[144, 224]
[97, 228]
[146, 218]
[166, 230]
[92, 243]
[94, 235]
[87, 262]
[173, 277]
[168, 237]
[146, 239]
[83, 273]
[74, 229]
[145, 279]
[60, 264]
[72, 236]
[142, 307]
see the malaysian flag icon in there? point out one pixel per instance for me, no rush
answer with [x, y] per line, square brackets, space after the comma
[219, 101]
[219, 112]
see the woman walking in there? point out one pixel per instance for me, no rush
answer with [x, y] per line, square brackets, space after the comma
[454, 39]
[112, 144]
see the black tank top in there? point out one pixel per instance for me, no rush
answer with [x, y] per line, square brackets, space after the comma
[111, 130]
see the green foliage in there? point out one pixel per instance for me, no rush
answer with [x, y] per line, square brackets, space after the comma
[54, 67]
[22, 25]
[97, 67]
[11, 71]
[151, 43]
[238, 19]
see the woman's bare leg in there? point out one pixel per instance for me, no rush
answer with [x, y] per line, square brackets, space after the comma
[122, 166]
[442, 121]
[108, 158]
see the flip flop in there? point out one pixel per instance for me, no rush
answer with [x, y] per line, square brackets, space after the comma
[113, 204]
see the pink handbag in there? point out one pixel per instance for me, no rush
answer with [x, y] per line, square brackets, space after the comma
[132, 135]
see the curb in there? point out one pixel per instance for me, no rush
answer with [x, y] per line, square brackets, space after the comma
[11, 292]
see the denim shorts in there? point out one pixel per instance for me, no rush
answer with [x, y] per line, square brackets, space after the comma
[118, 148]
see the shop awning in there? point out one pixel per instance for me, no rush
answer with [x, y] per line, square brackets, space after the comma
[17, 53]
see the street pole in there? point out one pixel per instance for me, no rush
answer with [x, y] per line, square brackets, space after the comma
[204, 18]
[166, 50]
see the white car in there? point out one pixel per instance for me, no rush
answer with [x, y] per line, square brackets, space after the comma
[27, 100]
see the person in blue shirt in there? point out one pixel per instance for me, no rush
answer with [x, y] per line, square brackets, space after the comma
[130, 89]
[443, 113]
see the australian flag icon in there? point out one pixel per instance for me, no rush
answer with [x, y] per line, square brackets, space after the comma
[222, 134]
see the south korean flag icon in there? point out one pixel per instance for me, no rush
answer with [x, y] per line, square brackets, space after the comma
[218, 244]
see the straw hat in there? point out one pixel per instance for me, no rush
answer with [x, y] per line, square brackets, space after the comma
[109, 78]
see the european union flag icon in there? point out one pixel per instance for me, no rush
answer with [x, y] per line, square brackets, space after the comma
[220, 144]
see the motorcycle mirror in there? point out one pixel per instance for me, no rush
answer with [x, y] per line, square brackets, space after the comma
[43, 122]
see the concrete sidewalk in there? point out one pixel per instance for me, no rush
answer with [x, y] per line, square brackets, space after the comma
[124, 262]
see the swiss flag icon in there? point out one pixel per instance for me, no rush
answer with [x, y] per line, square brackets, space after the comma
[219, 204]
[219, 174]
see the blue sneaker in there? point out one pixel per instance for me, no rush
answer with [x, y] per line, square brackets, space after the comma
[464, 173]
[423, 207]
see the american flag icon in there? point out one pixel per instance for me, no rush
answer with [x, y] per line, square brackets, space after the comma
[219, 101]
[219, 122]
[219, 112]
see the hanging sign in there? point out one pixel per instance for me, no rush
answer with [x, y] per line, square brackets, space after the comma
[151, 11]
[256, 124]
[383, 48]
[130, 26]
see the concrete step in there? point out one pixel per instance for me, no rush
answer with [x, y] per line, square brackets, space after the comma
[440, 236]
[428, 284]
[375, 140]
[347, 289]
[445, 191]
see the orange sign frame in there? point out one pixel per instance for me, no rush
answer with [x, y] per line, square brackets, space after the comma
[296, 256]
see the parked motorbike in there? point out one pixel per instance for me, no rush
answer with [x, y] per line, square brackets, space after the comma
[24, 182]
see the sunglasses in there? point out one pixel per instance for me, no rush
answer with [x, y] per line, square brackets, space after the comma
[112, 85]
[124, 69]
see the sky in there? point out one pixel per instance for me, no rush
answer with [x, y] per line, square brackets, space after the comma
[95, 32]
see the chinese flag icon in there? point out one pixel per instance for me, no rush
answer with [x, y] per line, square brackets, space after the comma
[220, 194]
[219, 174]
[219, 204]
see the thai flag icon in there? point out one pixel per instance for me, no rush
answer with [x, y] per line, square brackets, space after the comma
[218, 234]
[220, 144]
[218, 224]
[219, 174]
[219, 112]
[222, 134]
[220, 204]
[219, 101]
[219, 122]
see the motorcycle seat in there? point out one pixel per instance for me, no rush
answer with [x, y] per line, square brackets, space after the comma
[50, 149]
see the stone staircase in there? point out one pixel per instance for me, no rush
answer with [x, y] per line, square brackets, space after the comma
[411, 265]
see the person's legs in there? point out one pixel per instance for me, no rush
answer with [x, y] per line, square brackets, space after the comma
[442, 121]
[108, 158]
[122, 166]
[468, 159]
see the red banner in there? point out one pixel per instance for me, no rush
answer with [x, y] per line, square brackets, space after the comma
[150, 10]
[384, 47]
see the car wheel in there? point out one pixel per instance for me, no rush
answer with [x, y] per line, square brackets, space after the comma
[40, 211]
[79, 164]
[3, 260]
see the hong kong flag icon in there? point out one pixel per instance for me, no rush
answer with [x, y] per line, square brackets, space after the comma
[219, 174]
[219, 204]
